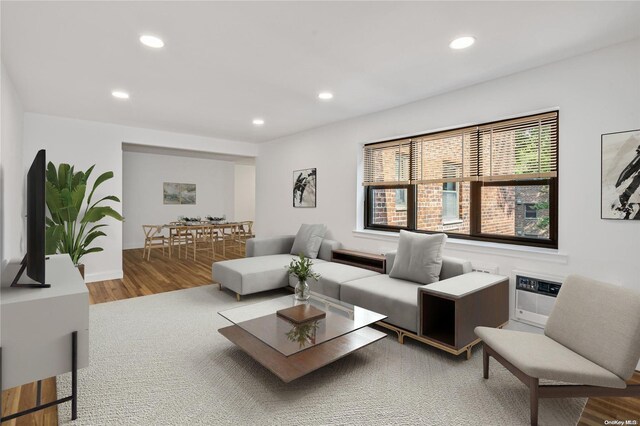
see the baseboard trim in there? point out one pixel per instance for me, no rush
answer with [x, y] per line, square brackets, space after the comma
[132, 246]
[115, 274]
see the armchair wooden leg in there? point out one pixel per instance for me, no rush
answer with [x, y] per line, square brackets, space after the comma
[485, 363]
[238, 296]
[533, 400]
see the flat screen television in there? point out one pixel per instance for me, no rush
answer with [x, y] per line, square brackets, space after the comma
[34, 260]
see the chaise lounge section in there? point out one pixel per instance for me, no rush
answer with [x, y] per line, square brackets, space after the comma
[264, 267]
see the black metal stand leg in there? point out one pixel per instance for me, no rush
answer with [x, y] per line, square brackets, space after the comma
[74, 388]
[74, 375]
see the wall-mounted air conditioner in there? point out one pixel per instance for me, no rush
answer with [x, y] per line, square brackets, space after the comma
[535, 297]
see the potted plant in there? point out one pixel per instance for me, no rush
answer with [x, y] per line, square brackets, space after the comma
[71, 226]
[301, 269]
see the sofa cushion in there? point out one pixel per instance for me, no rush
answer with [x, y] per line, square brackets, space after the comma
[397, 299]
[332, 276]
[419, 257]
[540, 356]
[254, 274]
[451, 266]
[308, 240]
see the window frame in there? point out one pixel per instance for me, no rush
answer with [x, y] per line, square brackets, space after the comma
[448, 220]
[476, 207]
[410, 208]
[527, 209]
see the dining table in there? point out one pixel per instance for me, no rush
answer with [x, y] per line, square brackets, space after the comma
[226, 231]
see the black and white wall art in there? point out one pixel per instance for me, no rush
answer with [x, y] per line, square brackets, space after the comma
[621, 175]
[304, 188]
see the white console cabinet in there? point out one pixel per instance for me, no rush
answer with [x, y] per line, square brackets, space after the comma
[36, 324]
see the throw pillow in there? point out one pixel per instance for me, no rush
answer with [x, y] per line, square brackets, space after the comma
[308, 240]
[419, 257]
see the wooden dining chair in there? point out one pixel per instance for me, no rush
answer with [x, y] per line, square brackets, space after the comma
[244, 231]
[205, 239]
[182, 236]
[153, 238]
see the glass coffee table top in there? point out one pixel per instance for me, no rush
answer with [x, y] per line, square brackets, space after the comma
[261, 321]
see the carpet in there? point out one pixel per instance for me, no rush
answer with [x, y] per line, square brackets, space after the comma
[159, 360]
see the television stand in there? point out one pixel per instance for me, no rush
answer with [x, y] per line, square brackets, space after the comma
[16, 284]
[44, 333]
[74, 388]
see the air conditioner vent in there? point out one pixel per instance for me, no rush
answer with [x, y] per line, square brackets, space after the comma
[535, 297]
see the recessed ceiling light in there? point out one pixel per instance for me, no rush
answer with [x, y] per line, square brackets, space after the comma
[462, 42]
[151, 41]
[258, 121]
[325, 96]
[120, 94]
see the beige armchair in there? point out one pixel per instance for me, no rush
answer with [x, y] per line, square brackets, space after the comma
[592, 339]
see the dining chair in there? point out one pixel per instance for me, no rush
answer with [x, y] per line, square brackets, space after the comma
[153, 238]
[204, 235]
[181, 236]
[244, 231]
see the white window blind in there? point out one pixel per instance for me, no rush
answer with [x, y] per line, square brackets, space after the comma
[443, 157]
[522, 148]
[387, 163]
[516, 149]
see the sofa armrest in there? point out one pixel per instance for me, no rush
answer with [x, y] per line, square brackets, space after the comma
[390, 257]
[453, 266]
[327, 248]
[266, 246]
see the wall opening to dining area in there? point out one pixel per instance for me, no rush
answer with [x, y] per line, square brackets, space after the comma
[163, 186]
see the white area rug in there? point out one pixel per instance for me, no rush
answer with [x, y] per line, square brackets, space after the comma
[159, 360]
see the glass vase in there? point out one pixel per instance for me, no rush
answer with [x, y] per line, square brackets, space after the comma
[302, 291]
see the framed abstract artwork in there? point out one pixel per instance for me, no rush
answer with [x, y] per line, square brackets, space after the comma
[304, 188]
[620, 191]
[178, 193]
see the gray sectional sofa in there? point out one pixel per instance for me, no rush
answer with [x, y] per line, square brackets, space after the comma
[264, 269]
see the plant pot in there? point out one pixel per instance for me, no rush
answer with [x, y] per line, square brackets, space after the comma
[81, 270]
[302, 291]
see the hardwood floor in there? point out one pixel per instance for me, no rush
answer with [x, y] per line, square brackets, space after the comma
[598, 410]
[162, 274]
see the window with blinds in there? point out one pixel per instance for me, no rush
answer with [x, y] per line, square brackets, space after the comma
[387, 163]
[523, 148]
[492, 181]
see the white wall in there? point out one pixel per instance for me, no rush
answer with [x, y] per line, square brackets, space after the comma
[245, 192]
[143, 176]
[83, 143]
[12, 173]
[596, 93]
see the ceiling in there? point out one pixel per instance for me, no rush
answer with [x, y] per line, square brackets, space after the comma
[226, 63]
[148, 149]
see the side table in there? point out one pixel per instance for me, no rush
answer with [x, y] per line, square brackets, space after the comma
[450, 311]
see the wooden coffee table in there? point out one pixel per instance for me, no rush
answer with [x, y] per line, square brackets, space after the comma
[290, 350]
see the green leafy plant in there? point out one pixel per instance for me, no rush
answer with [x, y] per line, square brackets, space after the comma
[303, 333]
[301, 268]
[68, 228]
